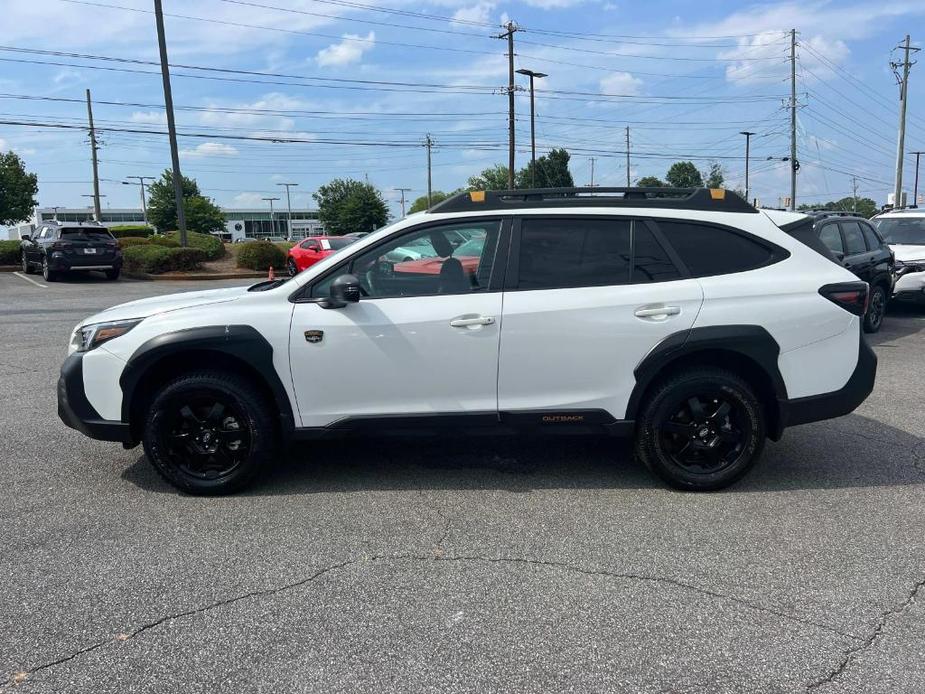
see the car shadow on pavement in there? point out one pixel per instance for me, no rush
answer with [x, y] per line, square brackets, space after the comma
[853, 451]
[904, 318]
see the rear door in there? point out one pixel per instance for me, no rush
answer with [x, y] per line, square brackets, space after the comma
[586, 298]
[858, 257]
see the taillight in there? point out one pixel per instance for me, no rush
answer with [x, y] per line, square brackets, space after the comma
[62, 245]
[851, 296]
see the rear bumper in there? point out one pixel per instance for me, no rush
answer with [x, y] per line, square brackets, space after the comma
[62, 263]
[815, 408]
[76, 411]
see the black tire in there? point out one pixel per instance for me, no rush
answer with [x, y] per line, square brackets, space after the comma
[113, 274]
[876, 309]
[292, 267]
[239, 447]
[704, 447]
[48, 274]
[26, 265]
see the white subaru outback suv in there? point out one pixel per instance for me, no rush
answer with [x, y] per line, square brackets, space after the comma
[904, 231]
[682, 317]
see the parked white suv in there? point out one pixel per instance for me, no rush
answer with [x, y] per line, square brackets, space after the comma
[904, 231]
[684, 318]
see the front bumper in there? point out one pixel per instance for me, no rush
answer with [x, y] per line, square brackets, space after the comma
[815, 408]
[76, 411]
[909, 284]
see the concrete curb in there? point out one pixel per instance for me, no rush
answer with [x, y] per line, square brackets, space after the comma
[167, 277]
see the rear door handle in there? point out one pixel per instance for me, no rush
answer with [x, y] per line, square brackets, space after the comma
[655, 311]
[466, 322]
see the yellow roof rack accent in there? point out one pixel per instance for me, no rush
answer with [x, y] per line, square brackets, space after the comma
[718, 193]
[477, 196]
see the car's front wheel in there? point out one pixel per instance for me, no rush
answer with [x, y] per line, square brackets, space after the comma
[209, 433]
[701, 429]
[292, 267]
[26, 266]
[876, 309]
[48, 274]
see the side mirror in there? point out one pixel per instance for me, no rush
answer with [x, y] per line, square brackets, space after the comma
[345, 289]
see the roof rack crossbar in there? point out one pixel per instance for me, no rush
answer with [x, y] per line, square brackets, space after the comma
[715, 199]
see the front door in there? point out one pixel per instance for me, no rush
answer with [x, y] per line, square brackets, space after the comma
[422, 341]
[587, 298]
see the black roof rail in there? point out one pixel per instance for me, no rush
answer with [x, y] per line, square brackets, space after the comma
[832, 213]
[711, 199]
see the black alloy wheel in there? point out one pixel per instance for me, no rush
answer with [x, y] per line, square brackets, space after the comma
[704, 433]
[48, 274]
[292, 267]
[26, 268]
[876, 308]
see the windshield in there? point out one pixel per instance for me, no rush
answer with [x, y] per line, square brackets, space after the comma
[88, 233]
[902, 230]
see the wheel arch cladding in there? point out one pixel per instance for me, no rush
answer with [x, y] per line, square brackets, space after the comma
[748, 350]
[238, 348]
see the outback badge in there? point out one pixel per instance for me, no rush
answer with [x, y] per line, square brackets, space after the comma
[314, 336]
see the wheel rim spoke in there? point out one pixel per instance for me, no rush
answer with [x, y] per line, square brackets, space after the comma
[704, 434]
[206, 437]
[696, 408]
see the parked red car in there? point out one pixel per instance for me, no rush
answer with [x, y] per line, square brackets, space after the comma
[314, 248]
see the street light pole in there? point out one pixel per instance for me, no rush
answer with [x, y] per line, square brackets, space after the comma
[272, 223]
[288, 204]
[531, 74]
[915, 190]
[144, 203]
[748, 138]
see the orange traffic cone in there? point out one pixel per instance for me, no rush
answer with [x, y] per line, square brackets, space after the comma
[272, 275]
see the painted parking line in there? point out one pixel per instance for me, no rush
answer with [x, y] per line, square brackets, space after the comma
[30, 280]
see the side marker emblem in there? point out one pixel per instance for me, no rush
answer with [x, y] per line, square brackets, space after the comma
[314, 336]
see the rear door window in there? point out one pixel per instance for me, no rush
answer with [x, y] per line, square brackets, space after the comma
[831, 237]
[708, 250]
[873, 241]
[854, 238]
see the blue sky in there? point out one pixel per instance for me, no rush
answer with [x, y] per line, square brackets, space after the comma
[358, 85]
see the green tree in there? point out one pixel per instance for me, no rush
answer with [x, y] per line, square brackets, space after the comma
[650, 182]
[346, 205]
[202, 215]
[551, 172]
[492, 178]
[17, 189]
[715, 177]
[865, 206]
[683, 174]
[435, 197]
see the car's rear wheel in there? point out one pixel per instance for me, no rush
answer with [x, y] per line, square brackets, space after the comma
[113, 274]
[26, 266]
[701, 429]
[209, 433]
[292, 267]
[876, 309]
[48, 274]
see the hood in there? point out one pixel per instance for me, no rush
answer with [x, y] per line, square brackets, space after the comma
[163, 304]
[908, 251]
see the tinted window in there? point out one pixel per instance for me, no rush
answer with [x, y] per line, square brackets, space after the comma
[873, 242]
[650, 262]
[854, 238]
[335, 244]
[831, 238]
[710, 250]
[95, 234]
[577, 252]
[902, 230]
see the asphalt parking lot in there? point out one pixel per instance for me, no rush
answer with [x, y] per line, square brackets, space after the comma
[476, 566]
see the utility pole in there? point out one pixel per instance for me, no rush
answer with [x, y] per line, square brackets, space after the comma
[794, 164]
[592, 173]
[903, 98]
[97, 212]
[272, 223]
[144, 203]
[531, 74]
[509, 35]
[915, 193]
[171, 125]
[748, 139]
[854, 192]
[402, 191]
[428, 143]
[288, 205]
[627, 156]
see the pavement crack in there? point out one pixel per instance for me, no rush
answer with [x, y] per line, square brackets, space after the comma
[872, 638]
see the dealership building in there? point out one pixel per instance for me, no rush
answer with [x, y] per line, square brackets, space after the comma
[239, 222]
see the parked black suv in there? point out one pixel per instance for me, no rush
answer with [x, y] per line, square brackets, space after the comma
[56, 248]
[857, 244]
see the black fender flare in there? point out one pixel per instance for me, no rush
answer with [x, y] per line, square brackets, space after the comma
[241, 342]
[749, 341]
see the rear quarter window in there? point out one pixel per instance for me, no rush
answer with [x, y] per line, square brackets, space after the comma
[709, 250]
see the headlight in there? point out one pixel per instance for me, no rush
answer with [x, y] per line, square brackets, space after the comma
[87, 337]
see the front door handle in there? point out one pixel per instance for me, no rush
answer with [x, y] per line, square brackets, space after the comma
[655, 311]
[466, 322]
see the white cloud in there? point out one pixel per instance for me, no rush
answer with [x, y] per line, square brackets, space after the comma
[210, 149]
[621, 83]
[4, 146]
[249, 200]
[552, 4]
[348, 51]
[762, 57]
[480, 12]
[149, 117]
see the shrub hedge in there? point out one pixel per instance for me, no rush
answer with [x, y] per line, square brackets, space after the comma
[129, 241]
[260, 255]
[10, 253]
[122, 231]
[154, 259]
[209, 243]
